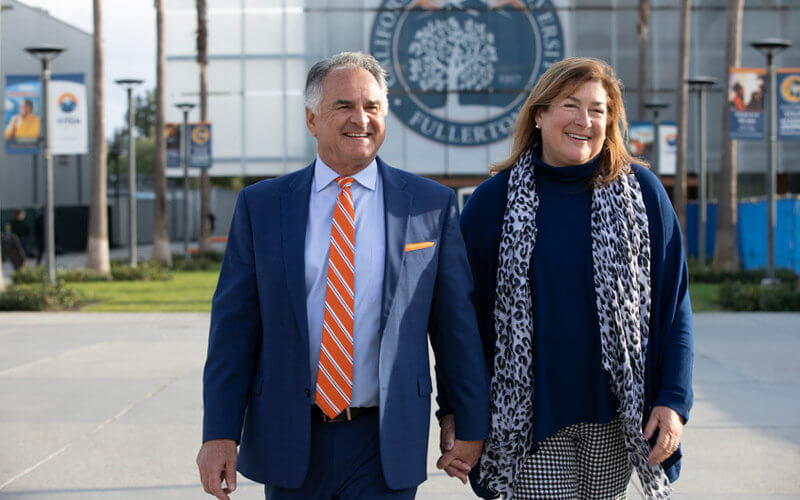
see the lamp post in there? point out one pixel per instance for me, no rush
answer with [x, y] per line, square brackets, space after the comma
[770, 47]
[655, 108]
[114, 153]
[128, 84]
[46, 53]
[185, 107]
[701, 84]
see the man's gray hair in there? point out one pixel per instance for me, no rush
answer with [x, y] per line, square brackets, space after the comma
[321, 69]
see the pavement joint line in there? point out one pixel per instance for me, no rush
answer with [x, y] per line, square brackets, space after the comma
[97, 429]
[47, 359]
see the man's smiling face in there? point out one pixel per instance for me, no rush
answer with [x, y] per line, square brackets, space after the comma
[349, 127]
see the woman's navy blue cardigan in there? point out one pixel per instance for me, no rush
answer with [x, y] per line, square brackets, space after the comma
[670, 346]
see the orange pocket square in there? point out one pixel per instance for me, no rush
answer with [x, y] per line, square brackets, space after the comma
[418, 246]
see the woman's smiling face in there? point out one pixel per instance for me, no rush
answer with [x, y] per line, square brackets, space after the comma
[574, 127]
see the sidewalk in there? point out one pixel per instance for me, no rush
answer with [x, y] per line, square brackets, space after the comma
[108, 406]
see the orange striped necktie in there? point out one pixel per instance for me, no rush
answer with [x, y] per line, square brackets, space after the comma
[335, 371]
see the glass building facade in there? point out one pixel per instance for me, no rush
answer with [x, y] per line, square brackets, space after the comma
[458, 71]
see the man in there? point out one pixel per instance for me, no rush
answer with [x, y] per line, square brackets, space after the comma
[333, 279]
[23, 127]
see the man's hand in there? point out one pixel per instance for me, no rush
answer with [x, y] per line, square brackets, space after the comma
[458, 457]
[217, 461]
[670, 428]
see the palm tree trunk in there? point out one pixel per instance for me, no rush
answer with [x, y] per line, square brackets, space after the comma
[97, 257]
[205, 185]
[726, 254]
[684, 49]
[161, 247]
[643, 30]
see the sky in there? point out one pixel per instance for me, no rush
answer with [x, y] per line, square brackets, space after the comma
[129, 38]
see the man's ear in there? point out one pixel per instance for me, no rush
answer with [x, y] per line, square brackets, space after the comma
[311, 122]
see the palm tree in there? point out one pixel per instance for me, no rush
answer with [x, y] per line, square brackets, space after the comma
[726, 254]
[161, 246]
[97, 257]
[202, 60]
[679, 189]
[643, 30]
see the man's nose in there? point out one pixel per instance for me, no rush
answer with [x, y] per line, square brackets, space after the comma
[360, 117]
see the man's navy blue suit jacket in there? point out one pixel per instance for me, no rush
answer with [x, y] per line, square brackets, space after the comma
[256, 387]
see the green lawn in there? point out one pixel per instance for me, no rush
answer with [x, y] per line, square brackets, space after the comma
[704, 297]
[191, 291]
[187, 291]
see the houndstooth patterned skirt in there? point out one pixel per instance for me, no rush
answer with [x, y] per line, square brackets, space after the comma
[584, 461]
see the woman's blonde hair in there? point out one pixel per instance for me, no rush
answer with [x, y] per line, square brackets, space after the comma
[562, 79]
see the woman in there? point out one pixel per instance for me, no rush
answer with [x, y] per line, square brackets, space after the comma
[582, 300]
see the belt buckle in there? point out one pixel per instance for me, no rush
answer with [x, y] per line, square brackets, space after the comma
[344, 416]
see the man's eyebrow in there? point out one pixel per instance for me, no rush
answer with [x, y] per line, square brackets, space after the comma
[343, 101]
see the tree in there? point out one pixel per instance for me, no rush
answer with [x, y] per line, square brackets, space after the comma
[97, 257]
[679, 189]
[643, 30]
[202, 60]
[161, 246]
[144, 114]
[726, 253]
[448, 56]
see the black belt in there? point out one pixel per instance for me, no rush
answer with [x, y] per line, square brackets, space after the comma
[347, 415]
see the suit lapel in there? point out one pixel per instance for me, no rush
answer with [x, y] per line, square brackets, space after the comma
[294, 217]
[397, 207]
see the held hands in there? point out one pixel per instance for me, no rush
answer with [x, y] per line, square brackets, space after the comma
[458, 457]
[670, 428]
[217, 461]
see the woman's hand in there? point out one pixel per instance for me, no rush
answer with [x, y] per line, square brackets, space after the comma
[670, 428]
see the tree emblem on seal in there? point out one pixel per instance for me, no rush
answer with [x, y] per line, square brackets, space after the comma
[459, 70]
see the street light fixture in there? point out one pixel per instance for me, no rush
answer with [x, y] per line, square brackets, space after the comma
[655, 108]
[185, 107]
[45, 54]
[701, 84]
[128, 84]
[770, 47]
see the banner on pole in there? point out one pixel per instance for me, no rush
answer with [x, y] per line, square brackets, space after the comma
[746, 103]
[22, 124]
[788, 84]
[68, 119]
[641, 145]
[173, 139]
[200, 145]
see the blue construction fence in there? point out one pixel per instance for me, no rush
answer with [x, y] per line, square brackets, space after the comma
[752, 232]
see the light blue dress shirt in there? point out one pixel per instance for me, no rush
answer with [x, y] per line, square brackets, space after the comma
[370, 252]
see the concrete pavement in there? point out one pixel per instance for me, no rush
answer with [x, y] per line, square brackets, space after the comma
[108, 406]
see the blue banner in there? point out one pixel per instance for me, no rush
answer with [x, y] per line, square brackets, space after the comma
[746, 103]
[788, 82]
[200, 145]
[22, 124]
[173, 139]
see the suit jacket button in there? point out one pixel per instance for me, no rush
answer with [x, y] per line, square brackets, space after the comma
[307, 392]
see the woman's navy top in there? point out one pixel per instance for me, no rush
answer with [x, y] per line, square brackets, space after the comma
[570, 386]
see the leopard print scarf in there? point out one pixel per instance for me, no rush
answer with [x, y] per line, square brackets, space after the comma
[621, 268]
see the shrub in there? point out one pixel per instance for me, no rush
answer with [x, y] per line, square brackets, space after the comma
[40, 298]
[144, 271]
[196, 262]
[698, 274]
[738, 296]
[120, 271]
